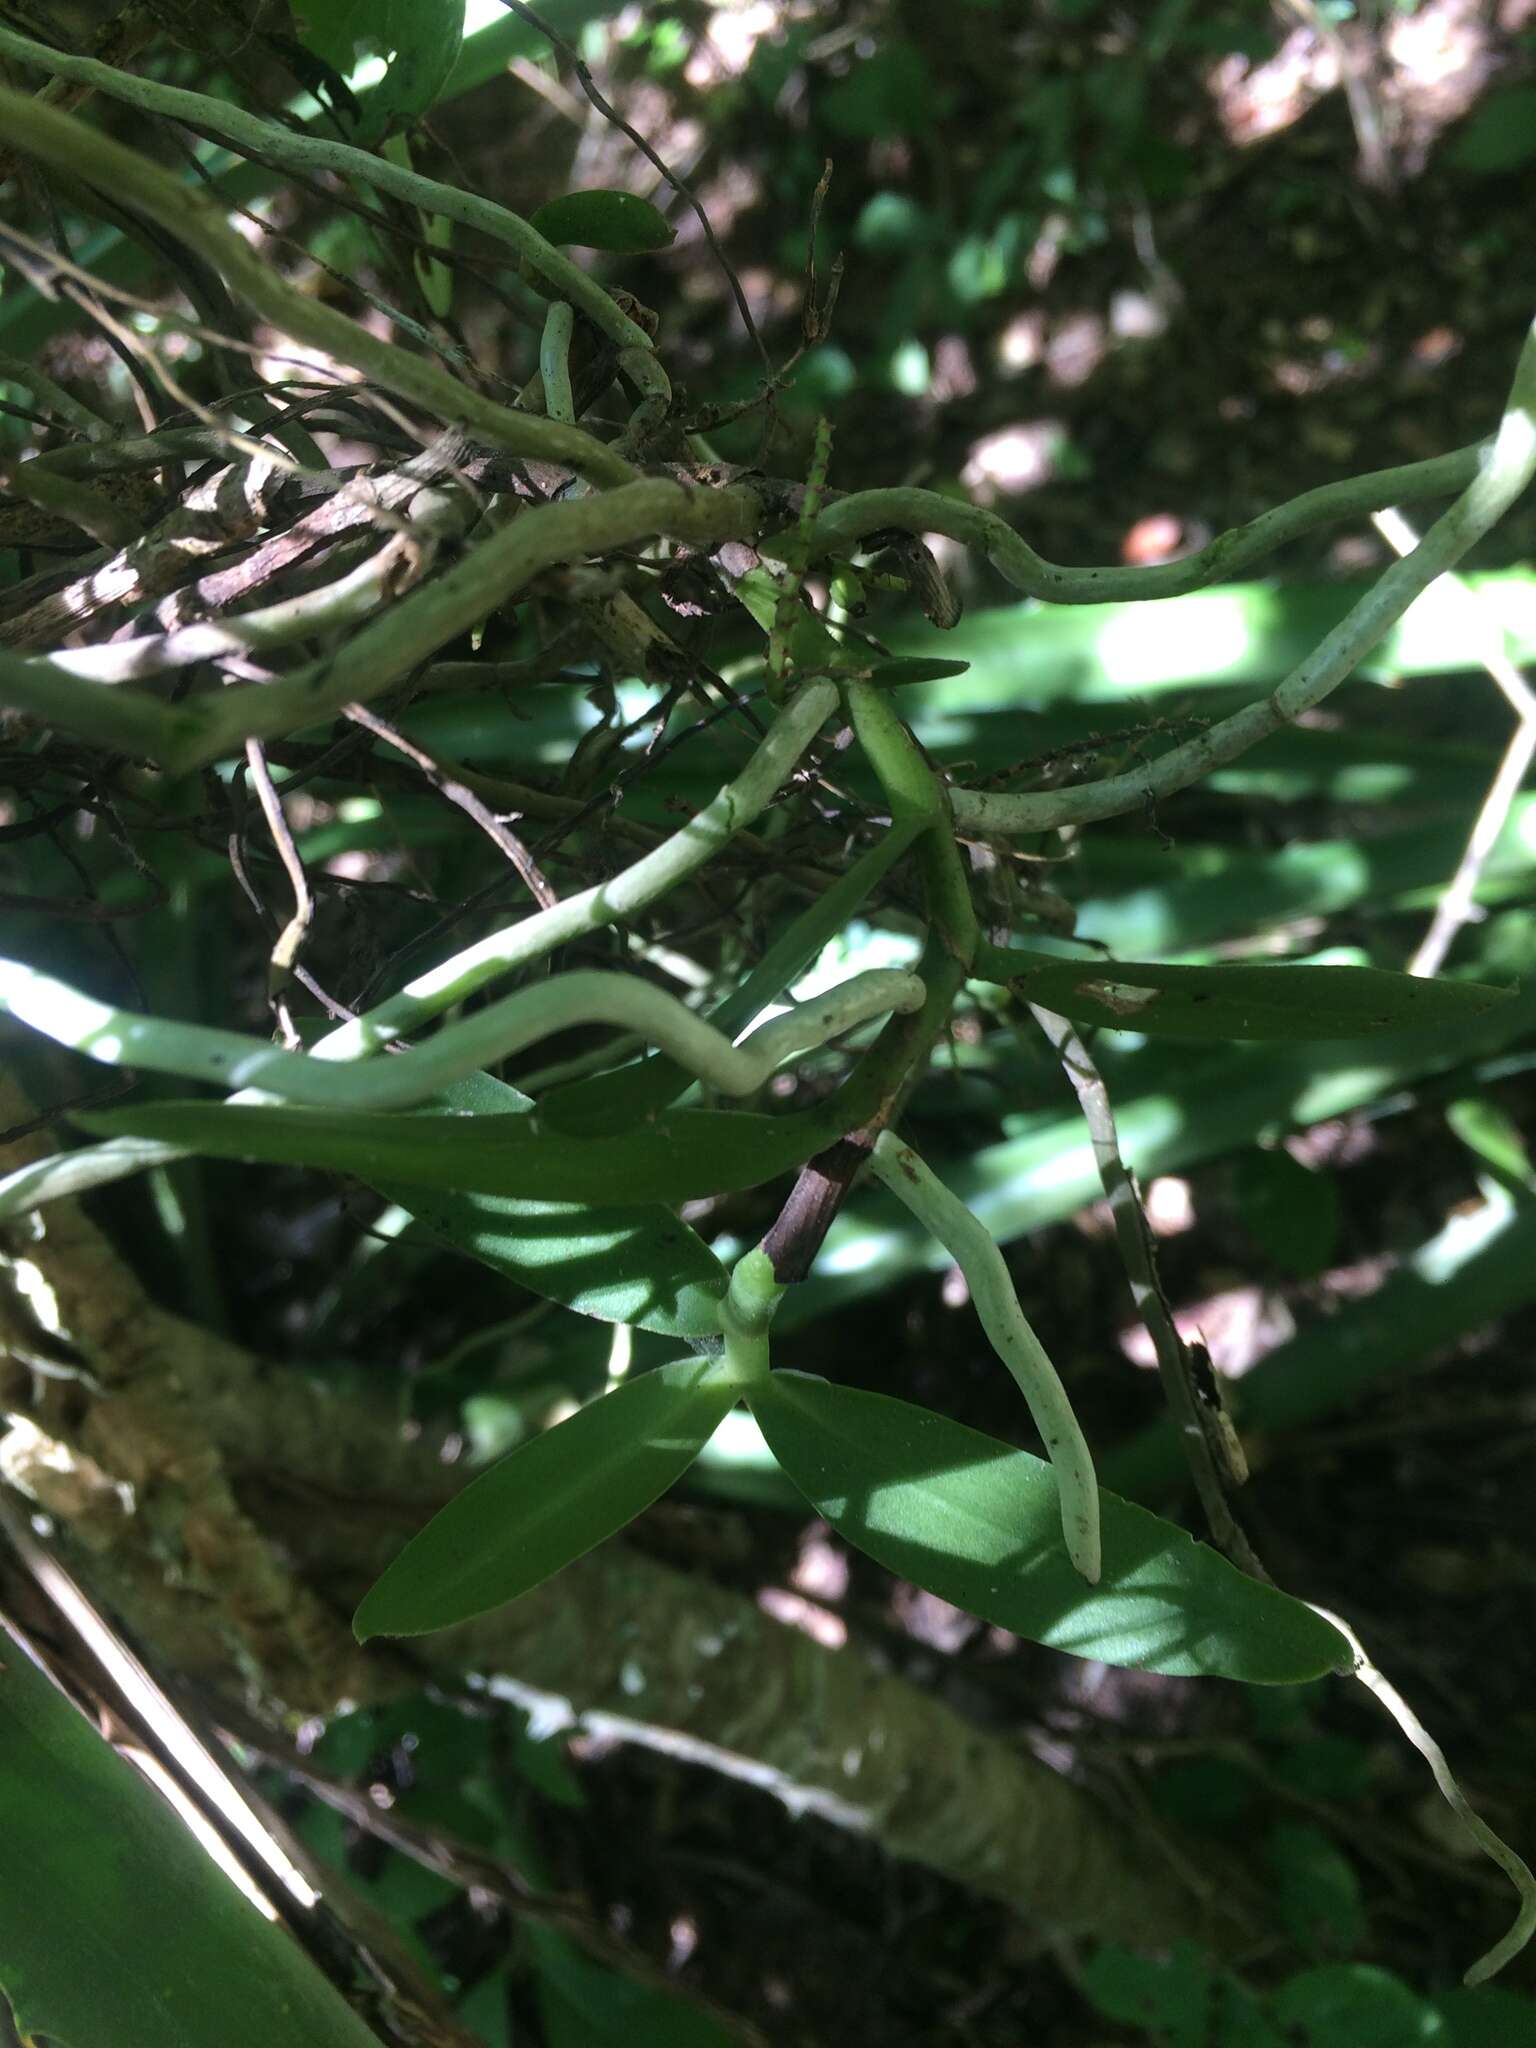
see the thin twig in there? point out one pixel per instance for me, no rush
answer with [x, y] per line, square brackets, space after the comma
[1456, 906]
[495, 829]
[1197, 1423]
[294, 932]
[679, 185]
[1493, 1846]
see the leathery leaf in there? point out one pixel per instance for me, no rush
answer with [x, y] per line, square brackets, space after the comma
[978, 1523]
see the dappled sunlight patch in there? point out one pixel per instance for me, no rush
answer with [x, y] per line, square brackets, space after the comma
[730, 36]
[1237, 1325]
[1077, 346]
[1169, 1203]
[1257, 100]
[793, 1610]
[1214, 632]
[1014, 459]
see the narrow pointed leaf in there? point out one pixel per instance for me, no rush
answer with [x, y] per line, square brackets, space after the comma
[617, 221]
[915, 668]
[1246, 1002]
[621, 1262]
[684, 1155]
[550, 1500]
[978, 1523]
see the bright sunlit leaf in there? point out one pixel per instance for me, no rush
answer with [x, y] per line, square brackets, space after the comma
[978, 1523]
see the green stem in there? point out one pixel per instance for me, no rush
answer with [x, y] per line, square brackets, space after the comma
[109, 524]
[519, 945]
[555, 362]
[128, 721]
[1506, 469]
[844, 524]
[85, 153]
[309, 154]
[62, 403]
[917, 802]
[120, 1038]
[653, 876]
[914, 792]
[968, 1243]
[187, 737]
[747, 1311]
[645, 371]
[787, 608]
[621, 1097]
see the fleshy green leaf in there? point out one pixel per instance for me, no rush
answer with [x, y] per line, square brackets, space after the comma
[1316, 1891]
[978, 1523]
[680, 1157]
[915, 668]
[1245, 1002]
[617, 221]
[550, 1500]
[623, 1263]
[1169, 1998]
[584, 2005]
[127, 1931]
[1489, 2017]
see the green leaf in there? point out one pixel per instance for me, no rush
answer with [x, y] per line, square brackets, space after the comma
[584, 2005]
[1183, 1999]
[680, 1157]
[550, 1501]
[915, 668]
[1244, 1002]
[623, 1263]
[128, 1932]
[979, 1524]
[418, 38]
[617, 221]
